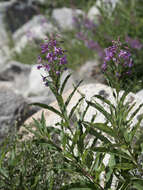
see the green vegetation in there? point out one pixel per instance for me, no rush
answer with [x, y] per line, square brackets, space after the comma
[28, 54]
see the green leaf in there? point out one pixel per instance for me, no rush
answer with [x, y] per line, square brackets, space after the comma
[72, 93]
[98, 135]
[112, 151]
[135, 112]
[84, 113]
[78, 186]
[64, 83]
[125, 166]
[122, 99]
[125, 185]
[45, 106]
[101, 110]
[134, 130]
[4, 173]
[102, 127]
[104, 100]
[138, 184]
[74, 108]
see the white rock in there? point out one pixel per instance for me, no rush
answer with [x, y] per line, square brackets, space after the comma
[90, 72]
[36, 28]
[4, 39]
[89, 90]
[64, 17]
[36, 85]
[140, 94]
[94, 11]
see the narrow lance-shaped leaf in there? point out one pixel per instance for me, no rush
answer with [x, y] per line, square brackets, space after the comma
[102, 127]
[134, 130]
[98, 135]
[84, 112]
[72, 93]
[101, 109]
[135, 112]
[112, 151]
[74, 108]
[45, 106]
[64, 83]
[104, 100]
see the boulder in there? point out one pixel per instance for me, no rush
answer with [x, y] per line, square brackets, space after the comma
[89, 90]
[64, 17]
[4, 38]
[91, 72]
[140, 94]
[17, 75]
[93, 12]
[12, 111]
[18, 13]
[36, 86]
[37, 28]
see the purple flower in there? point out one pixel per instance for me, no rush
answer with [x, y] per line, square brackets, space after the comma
[130, 63]
[39, 59]
[104, 66]
[58, 72]
[110, 52]
[134, 43]
[45, 48]
[89, 24]
[63, 60]
[58, 51]
[39, 66]
[124, 54]
[51, 57]
[52, 43]
[47, 67]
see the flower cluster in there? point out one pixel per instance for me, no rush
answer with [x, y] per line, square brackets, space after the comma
[118, 65]
[52, 58]
[118, 58]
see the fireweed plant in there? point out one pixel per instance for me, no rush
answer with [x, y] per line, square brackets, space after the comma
[118, 64]
[118, 139]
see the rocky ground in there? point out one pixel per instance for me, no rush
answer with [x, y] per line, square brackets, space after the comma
[21, 84]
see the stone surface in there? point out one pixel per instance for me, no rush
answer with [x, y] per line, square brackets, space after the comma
[89, 91]
[36, 86]
[140, 94]
[18, 13]
[94, 11]
[91, 72]
[4, 38]
[37, 28]
[64, 17]
[12, 111]
[17, 75]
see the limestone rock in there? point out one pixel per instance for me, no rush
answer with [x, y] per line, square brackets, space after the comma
[17, 74]
[36, 28]
[91, 72]
[64, 17]
[36, 86]
[12, 111]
